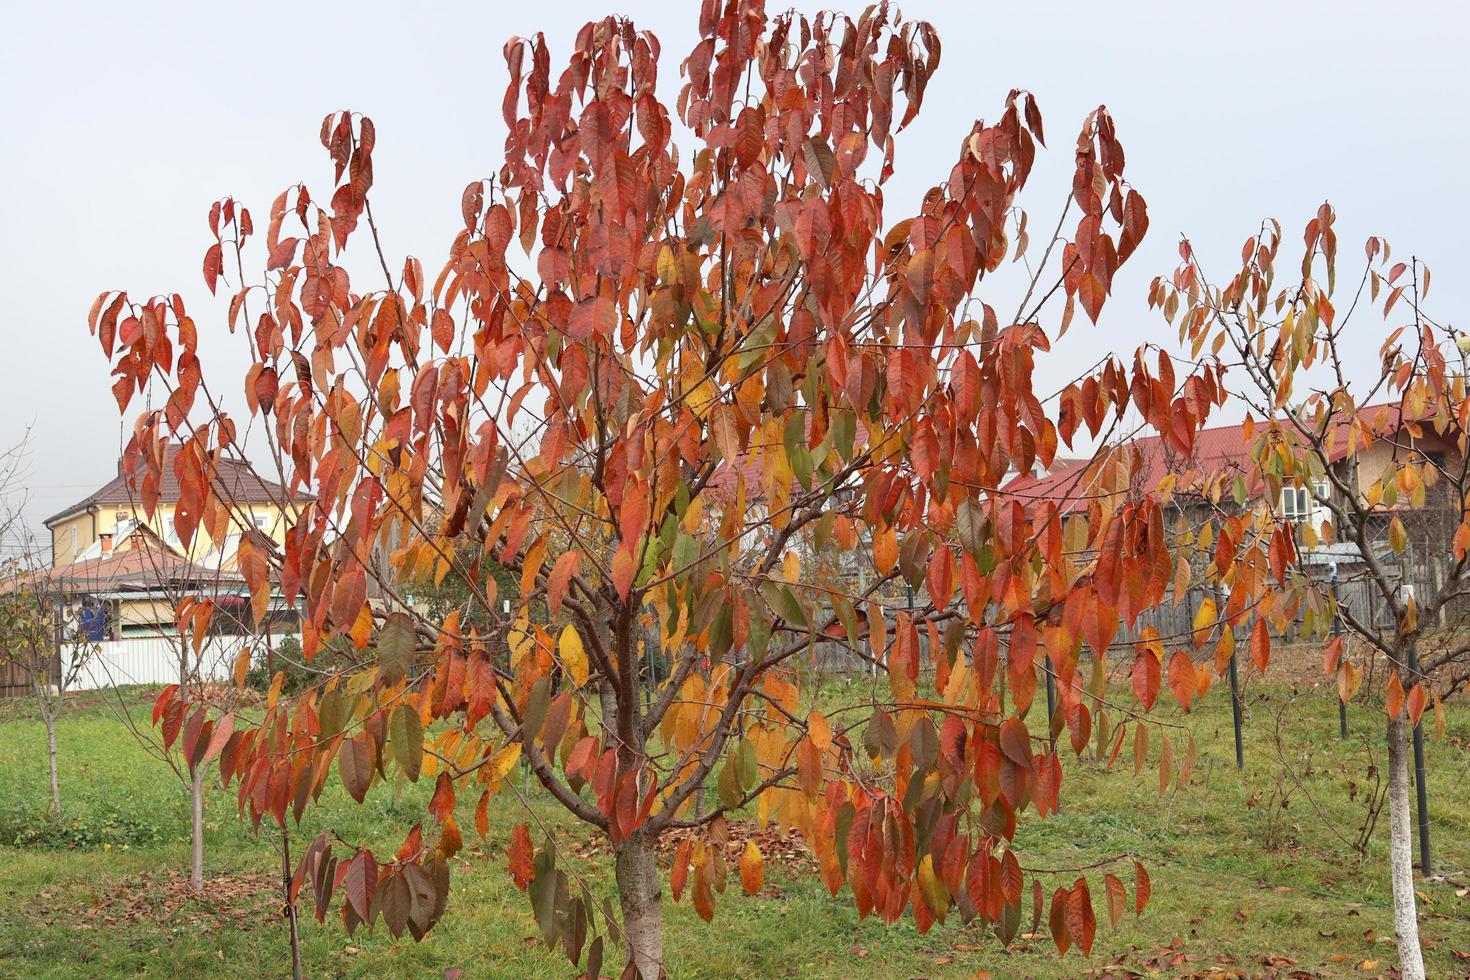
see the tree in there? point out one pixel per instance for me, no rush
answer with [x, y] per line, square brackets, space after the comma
[720, 351]
[1383, 461]
[209, 642]
[34, 631]
[34, 626]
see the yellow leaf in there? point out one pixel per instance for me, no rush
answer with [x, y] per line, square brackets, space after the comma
[668, 268]
[819, 730]
[1398, 538]
[573, 656]
[500, 765]
[1204, 619]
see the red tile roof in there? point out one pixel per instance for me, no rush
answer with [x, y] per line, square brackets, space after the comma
[1220, 449]
[233, 478]
[148, 564]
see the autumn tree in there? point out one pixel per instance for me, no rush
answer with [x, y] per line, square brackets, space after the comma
[721, 342]
[1380, 456]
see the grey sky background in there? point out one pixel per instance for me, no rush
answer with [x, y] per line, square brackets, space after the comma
[123, 122]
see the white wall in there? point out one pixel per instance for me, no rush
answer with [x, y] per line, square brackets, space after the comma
[149, 660]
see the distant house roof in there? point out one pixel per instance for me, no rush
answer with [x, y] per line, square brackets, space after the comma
[233, 477]
[147, 565]
[1070, 485]
[1219, 449]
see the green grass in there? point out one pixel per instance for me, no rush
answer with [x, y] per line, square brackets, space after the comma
[1238, 877]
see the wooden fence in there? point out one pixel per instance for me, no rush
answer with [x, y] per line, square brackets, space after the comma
[15, 680]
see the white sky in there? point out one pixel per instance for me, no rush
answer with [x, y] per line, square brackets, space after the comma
[124, 121]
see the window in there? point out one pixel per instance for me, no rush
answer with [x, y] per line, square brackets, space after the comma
[262, 521]
[1298, 504]
[1294, 503]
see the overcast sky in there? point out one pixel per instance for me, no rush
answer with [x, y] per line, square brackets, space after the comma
[123, 121]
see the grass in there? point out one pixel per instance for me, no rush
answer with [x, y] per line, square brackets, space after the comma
[1248, 872]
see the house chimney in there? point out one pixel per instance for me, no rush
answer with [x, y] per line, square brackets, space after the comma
[106, 544]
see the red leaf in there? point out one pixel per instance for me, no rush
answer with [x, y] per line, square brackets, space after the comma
[520, 855]
[441, 805]
[213, 265]
[1331, 654]
[1147, 678]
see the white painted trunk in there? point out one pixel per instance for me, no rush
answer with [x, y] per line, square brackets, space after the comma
[641, 902]
[51, 755]
[196, 840]
[1401, 853]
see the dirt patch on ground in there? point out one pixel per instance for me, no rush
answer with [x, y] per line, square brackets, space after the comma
[783, 848]
[235, 901]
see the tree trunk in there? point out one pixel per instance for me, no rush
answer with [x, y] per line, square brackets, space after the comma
[51, 755]
[1401, 855]
[196, 839]
[638, 895]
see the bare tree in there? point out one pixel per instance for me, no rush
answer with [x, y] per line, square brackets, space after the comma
[35, 628]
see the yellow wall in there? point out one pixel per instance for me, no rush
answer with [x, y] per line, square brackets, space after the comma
[70, 537]
[75, 534]
[1372, 460]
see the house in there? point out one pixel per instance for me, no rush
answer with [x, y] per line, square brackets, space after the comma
[132, 588]
[112, 508]
[1220, 475]
[1222, 462]
[122, 575]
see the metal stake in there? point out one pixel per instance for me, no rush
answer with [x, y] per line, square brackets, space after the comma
[1235, 710]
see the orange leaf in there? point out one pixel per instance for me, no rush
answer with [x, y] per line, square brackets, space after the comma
[1331, 654]
[1117, 899]
[1182, 678]
[1394, 699]
[1260, 645]
[885, 550]
[1418, 700]
[556, 585]
[752, 867]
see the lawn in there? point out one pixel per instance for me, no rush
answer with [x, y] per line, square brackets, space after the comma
[1250, 874]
